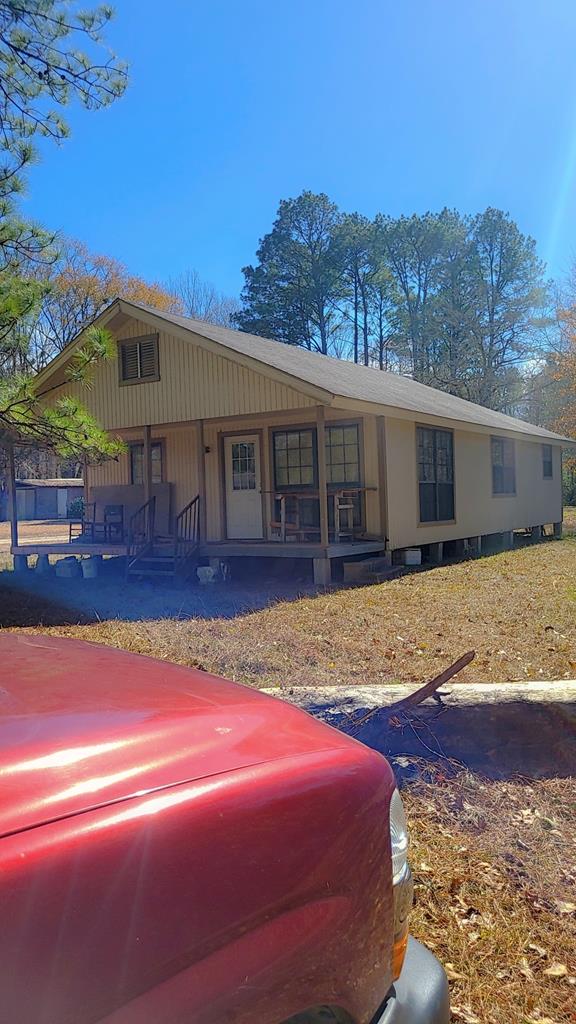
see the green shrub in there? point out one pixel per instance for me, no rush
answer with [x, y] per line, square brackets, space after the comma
[76, 508]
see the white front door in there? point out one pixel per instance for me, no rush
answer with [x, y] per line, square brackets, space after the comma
[243, 487]
[62, 502]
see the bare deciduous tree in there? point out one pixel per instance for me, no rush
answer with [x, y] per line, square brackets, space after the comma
[201, 300]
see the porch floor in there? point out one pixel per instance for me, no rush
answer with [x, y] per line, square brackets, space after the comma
[69, 548]
[214, 549]
[276, 549]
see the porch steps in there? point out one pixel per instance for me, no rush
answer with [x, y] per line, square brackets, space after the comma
[172, 556]
[151, 567]
[155, 563]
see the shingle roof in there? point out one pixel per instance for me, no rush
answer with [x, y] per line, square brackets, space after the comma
[56, 482]
[348, 380]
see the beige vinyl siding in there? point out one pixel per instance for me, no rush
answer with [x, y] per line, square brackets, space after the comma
[477, 510]
[194, 384]
[214, 479]
[179, 464]
[116, 471]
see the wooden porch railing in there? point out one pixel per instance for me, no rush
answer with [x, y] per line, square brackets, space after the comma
[141, 532]
[290, 522]
[187, 537]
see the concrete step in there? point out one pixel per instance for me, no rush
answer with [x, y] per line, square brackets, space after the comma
[371, 570]
[153, 566]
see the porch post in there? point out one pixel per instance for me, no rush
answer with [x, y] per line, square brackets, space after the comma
[86, 489]
[12, 505]
[201, 462]
[147, 469]
[267, 477]
[382, 476]
[322, 486]
[147, 463]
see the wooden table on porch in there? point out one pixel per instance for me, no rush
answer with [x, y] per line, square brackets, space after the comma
[343, 508]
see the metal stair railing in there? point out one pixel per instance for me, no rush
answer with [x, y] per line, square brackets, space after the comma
[141, 533]
[187, 537]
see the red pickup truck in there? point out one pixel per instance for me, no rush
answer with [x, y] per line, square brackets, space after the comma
[178, 849]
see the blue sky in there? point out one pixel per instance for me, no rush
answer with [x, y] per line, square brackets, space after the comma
[391, 105]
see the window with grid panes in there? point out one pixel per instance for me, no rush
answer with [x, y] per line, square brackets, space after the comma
[137, 463]
[294, 461]
[503, 465]
[547, 463]
[435, 474]
[243, 466]
[343, 454]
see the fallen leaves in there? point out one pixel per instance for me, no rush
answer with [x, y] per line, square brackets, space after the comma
[500, 916]
[538, 950]
[452, 974]
[565, 907]
[556, 970]
[464, 1013]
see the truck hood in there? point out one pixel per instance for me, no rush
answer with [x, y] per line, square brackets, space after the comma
[82, 725]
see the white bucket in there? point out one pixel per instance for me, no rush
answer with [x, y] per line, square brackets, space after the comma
[43, 567]
[206, 574]
[413, 556]
[89, 567]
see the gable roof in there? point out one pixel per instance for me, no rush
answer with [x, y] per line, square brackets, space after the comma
[337, 378]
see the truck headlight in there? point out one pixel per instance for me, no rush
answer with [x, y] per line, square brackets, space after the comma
[403, 888]
[398, 838]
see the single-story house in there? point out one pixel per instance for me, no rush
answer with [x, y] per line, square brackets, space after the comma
[256, 448]
[47, 499]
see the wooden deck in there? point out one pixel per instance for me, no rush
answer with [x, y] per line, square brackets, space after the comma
[214, 549]
[276, 549]
[69, 548]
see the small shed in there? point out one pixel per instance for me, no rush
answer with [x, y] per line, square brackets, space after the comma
[47, 499]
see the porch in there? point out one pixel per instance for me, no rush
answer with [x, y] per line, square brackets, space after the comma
[285, 486]
[157, 557]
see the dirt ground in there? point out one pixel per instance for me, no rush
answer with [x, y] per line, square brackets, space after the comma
[41, 531]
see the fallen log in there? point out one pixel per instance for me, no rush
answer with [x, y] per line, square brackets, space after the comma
[428, 690]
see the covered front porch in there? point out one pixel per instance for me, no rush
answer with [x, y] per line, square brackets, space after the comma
[287, 485]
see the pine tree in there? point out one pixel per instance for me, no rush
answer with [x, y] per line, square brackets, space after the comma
[48, 57]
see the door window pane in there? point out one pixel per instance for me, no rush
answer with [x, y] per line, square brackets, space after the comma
[243, 466]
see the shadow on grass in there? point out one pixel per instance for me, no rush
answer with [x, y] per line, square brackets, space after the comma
[500, 740]
[29, 599]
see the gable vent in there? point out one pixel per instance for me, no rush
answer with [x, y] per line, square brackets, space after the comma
[139, 360]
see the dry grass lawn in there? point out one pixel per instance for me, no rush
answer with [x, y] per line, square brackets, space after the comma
[516, 609]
